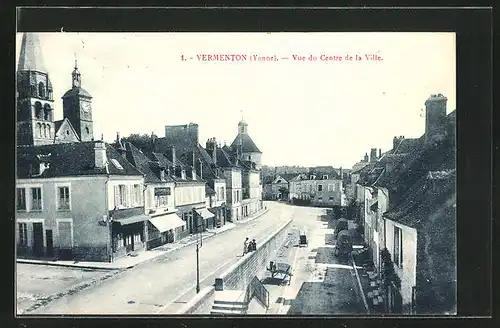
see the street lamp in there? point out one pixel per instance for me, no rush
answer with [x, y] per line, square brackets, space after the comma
[199, 244]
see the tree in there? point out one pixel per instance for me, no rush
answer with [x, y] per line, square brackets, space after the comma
[141, 141]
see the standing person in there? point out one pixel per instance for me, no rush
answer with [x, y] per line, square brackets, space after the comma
[245, 246]
[254, 245]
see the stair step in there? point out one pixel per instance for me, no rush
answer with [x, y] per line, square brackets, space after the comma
[227, 312]
[230, 306]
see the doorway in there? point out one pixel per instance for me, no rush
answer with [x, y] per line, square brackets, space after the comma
[50, 243]
[38, 239]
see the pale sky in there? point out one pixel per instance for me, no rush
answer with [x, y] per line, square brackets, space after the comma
[298, 113]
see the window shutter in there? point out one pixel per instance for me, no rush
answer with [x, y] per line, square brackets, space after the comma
[117, 195]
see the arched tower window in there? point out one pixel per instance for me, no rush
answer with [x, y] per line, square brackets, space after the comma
[38, 110]
[41, 90]
[33, 90]
[38, 130]
[87, 129]
[45, 131]
[48, 131]
[47, 112]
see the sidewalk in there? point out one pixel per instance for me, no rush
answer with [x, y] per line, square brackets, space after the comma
[131, 261]
[253, 216]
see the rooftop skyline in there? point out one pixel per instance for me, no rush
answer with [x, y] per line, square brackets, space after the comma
[298, 113]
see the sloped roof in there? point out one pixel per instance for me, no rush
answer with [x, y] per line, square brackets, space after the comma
[31, 57]
[77, 91]
[71, 159]
[145, 164]
[247, 144]
[427, 196]
[209, 191]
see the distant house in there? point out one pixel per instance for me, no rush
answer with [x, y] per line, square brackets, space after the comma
[321, 186]
[276, 186]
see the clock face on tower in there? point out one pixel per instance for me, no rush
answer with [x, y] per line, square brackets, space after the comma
[86, 107]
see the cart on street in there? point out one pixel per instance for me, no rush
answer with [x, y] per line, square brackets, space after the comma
[283, 270]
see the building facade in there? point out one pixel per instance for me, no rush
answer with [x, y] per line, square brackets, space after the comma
[78, 201]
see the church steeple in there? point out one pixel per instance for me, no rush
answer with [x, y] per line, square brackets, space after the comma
[77, 78]
[77, 107]
[35, 121]
[30, 58]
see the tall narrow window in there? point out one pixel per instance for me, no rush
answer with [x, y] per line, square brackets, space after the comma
[21, 199]
[138, 194]
[63, 198]
[44, 131]
[23, 234]
[36, 199]
[320, 187]
[38, 130]
[41, 90]
[120, 196]
[398, 247]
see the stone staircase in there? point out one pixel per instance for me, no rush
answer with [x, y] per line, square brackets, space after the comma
[230, 302]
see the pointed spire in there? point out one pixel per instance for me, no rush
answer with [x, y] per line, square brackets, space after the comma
[30, 57]
[76, 77]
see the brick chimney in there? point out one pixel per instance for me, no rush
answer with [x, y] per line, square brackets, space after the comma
[373, 155]
[435, 117]
[100, 155]
[211, 147]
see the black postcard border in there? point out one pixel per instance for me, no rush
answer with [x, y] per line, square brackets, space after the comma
[474, 130]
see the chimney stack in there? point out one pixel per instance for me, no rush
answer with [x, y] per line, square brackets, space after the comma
[171, 156]
[211, 147]
[380, 153]
[118, 138]
[373, 155]
[100, 155]
[365, 158]
[341, 173]
[200, 168]
[162, 173]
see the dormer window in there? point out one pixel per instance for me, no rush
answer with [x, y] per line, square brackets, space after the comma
[325, 177]
[162, 174]
[116, 164]
[193, 173]
[312, 177]
[183, 174]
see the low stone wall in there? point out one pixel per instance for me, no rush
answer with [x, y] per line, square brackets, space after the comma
[239, 275]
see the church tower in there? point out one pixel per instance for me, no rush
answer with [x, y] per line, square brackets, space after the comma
[77, 107]
[35, 103]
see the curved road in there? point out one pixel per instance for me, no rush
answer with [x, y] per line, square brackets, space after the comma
[158, 285]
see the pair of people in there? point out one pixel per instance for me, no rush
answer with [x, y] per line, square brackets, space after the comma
[249, 246]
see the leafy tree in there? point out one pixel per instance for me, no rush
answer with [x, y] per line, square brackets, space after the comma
[141, 141]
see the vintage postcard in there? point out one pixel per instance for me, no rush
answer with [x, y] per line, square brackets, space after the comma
[236, 173]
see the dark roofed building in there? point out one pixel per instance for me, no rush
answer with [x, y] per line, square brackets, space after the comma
[97, 194]
[72, 159]
[425, 221]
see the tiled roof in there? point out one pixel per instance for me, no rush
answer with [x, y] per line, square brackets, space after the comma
[77, 91]
[71, 159]
[143, 163]
[247, 144]
[427, 196]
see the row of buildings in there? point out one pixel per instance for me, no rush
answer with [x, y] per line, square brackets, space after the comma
[316, 186]
[85, 199]
[406, 202]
